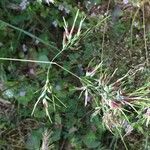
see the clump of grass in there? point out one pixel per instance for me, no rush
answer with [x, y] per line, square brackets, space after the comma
[114, 101]
[121, 107]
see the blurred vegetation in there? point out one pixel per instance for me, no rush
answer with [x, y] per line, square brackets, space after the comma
[74, 74]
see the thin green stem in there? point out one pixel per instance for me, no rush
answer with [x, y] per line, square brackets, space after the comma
[30, 35]
[145, 38]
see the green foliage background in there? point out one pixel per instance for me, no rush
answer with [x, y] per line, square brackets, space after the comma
[36, 33]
